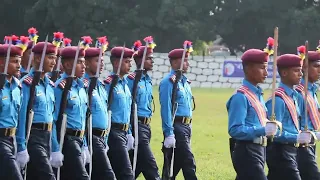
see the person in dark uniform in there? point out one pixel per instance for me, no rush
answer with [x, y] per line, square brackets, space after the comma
[101, 167]
[307, 163]
[76, 108]
[9, 109]
[247, 116]
[282, 152]
[146, 163]
[177, 132]
[120, 107]
[39, 142]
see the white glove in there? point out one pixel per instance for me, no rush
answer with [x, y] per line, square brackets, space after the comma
[318, 135]
[271, 129]
[87, 159]
[56, 159]
[304, 138]
[169, 141]
[130, 142]
[22, 158]
[106, 149]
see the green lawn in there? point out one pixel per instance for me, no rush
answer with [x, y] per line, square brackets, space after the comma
[210, 134]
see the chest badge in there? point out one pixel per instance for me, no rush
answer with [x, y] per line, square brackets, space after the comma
[4, 97]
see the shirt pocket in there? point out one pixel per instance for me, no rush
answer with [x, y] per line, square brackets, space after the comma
[51, 102]
[40, 102]
[180, 97]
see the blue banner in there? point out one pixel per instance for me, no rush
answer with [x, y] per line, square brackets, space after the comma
[235, 69]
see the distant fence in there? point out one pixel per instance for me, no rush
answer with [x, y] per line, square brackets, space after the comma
[204, 71]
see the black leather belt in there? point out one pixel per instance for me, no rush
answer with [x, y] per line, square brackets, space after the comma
[76, 133]
[182, 119]
[100, 132]
[42, 126]
[123, 127]
[6, 132]
[144, 120]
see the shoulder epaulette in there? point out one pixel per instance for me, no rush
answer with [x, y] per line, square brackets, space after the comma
[300, 88]
[28, 80]
[173, 78]
[132, 76]
[85, 82]
[108, 80]
[62, 84]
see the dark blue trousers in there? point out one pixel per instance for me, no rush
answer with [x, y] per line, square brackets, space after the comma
[101, 167]
[146, 163]
[183, 157]
[282, 162]
[9, 168]
[307, 163]
[248, 161]
[39, 148]
[118, 154]
[73, 166]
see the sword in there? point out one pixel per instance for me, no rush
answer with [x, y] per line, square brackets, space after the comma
[274, 80]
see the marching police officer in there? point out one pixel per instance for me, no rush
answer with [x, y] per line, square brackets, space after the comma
[120, 105]
[282, 152]
[177, 132]
[306, 154]
[146, 162]
[76, 107]
[9, 108]
[101, 167]
[39, 142]
[247, 116]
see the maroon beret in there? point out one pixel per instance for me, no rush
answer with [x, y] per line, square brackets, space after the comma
[14, 51]
[289, 60]
[177, 53]
[92, 52]
[255, 56]
[70, 52]
[313, 56]
[38, 48]
[30, 44]
[116, 52]
[140, 52]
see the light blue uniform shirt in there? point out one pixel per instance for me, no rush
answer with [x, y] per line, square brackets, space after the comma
[289, 131]
[244, 123]
[144, 94]
[183, 98]
[76, 107]
[43, 105]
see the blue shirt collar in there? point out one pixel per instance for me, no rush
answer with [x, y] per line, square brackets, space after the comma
[120, 80]
[255, 89]
[75, 82]
[46, 79]
[289, 91]
[313, 87]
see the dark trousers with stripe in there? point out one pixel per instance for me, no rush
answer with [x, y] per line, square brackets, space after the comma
[282, 162]
[118, 154]
[73, 166]
[307, 163]
[9, 168]
[248, 160]
[183, 157]
[101, 167]
[146, 163]
[39, 148]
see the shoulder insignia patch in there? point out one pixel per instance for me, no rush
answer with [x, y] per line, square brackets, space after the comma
[108, 80]
[28, 80]
[85, 82]
[132, 76]
[173, 78]
[62, 83]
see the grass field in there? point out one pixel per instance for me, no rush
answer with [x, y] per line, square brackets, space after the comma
[209, 140]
